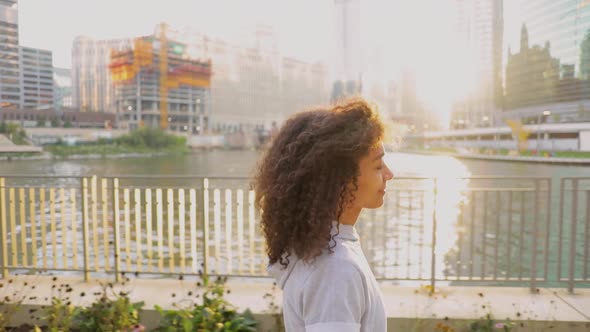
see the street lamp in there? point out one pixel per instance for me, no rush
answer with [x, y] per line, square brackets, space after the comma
[544, 114]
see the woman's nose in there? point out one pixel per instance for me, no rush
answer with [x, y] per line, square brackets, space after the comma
[388, 174]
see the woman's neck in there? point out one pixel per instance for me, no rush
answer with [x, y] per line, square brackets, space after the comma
[349, 216]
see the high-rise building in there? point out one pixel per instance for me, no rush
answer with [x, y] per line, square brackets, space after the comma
[412, 111]
[302, 85]
[252, 84]
[548, 62]
[157, 87]
[62, 88]
[348, 73]
[348, 40]
[92, 88]
[253, 87]
[36, 75]
[10, 90]
[245, 86]
[479, 26]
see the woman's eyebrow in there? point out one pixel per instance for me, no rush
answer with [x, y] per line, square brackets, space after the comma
[379, 156]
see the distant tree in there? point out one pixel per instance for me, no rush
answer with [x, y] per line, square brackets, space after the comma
[54, 122]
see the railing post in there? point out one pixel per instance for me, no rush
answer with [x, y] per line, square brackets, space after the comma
[560, 231]
[116, 244]
[433, 250]
[573, 230]
[3, 232]
[547, 229]
[533, 283]
[94, 218]
[205, 220]
[84, 194]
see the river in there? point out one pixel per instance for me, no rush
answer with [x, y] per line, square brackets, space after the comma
[473, 229]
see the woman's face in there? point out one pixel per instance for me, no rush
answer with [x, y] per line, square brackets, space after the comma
[373, 177]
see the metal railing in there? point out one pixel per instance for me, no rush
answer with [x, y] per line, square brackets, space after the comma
[574, 231]
[530, 232]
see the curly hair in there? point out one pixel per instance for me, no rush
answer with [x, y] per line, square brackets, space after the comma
[309, 173]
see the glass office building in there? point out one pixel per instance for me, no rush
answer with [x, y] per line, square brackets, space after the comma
[547, 71]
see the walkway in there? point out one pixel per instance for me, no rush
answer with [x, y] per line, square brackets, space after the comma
[404, 305]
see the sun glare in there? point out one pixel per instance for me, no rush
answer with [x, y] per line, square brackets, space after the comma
[423, 40]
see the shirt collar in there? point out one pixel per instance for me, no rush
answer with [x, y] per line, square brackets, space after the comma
[345, 232]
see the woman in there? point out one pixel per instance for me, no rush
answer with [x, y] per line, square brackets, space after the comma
[322, 168]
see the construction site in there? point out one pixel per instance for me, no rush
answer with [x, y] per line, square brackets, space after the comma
[157, 84]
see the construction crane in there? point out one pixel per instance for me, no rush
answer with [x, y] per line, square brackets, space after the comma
[520, 133]
[163, 78]
[127, 64]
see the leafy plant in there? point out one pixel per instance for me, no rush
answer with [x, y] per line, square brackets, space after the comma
[14, 132]
[213, 314]
[153, 138]
[489, 325]
[11, 304]
[59, 316]
[109, 313]
[54, 121]
[274, 309]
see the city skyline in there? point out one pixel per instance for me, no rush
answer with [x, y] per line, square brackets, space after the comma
[223, 19]
[305, 30]
[396, 37]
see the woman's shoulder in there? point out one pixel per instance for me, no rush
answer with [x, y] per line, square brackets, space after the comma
[336, 261]
[328, 267]
[334, 268]
[342, 252]
[339, 260]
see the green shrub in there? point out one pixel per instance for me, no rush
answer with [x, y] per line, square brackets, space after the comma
[213, 314]
[112, 312]
[59, 316]
[153, 138]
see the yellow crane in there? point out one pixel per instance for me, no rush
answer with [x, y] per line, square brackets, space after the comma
[163, 77]
[520, 133]
[125, 65]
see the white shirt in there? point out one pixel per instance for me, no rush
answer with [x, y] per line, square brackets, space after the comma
[336, 292]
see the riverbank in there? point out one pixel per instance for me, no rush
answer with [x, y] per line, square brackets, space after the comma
[544, 158]
[49, 156]
[61, 151]
[144, 142]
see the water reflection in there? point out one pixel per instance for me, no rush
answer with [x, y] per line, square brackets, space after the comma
[485, 227]
[399, 236]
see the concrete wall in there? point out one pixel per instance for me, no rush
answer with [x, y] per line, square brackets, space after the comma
[550, 145]
[408, 308]
[205, 141]
[41, 136]
[31, 314]
[585, 140]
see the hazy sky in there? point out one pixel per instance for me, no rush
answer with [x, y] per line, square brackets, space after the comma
[394, 33]
[304, 27]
